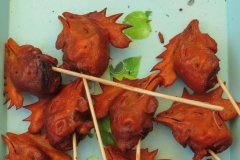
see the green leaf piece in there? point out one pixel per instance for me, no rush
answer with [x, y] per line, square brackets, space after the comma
[148, 13]
[90, 135]
[140, 22]
[93, 158]
[128, 68]
[105, 130]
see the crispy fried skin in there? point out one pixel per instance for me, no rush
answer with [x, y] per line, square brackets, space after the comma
[29, 146]
[191, 55]
[36, 118]
[215, 97]
[200, 128]
[117, 38]
[67, 113]
[166, 66]
[105, 100]
[113, 153]
[130, 117]
[85, 40]
[130, 112]
[26, 69]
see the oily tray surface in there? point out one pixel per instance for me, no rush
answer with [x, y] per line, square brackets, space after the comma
[37, 23]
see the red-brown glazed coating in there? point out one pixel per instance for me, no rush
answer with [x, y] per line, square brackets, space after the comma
[29, 146]
[191, 54]
[113, 153]
[215, 97]
[26, 69]
[104, 101]
[36, 118]
[200, 128]
[130, 117]
[85, 40]
[130, 112]
[166, 66]
[67, 113]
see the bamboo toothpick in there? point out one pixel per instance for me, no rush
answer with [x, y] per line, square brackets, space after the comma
[94, 119]
[228, 95]
[74, 141]
[138, 150]
[213, 154]
[139, 90]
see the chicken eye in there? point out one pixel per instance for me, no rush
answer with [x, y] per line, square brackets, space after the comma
[61, 126]
[71, 16]
[128, 122]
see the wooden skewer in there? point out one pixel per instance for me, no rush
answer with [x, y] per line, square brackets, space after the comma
[94, 119]
[213, 154]
[138, 150]
[228, 95]
[139, 90]
[74, 141]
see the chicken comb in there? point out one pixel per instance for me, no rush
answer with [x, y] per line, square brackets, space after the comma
[36, 118]
[31, 146]
[113, 152]
[13, 94]
[117, 38]
[166, 66]
[215, 97]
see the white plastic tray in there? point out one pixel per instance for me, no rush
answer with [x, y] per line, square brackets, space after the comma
[36, 23]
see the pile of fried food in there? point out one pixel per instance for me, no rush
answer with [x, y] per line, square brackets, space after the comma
[62, 110]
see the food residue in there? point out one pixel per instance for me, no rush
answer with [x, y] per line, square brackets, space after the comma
[161, 38]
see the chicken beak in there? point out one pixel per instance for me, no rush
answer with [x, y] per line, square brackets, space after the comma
[67, 15]
[12, 45]
[152, 82]
[168, 121]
